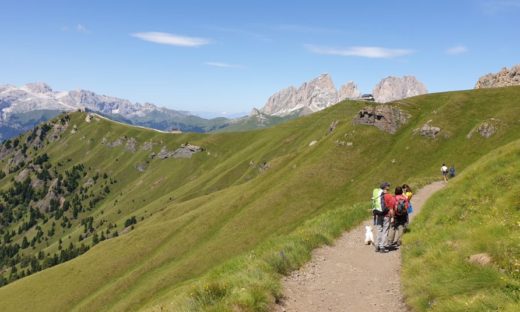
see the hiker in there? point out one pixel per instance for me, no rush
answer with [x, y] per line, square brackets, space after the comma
[381, 201]
[407, 191]
[400, 218]
[381, 216]
[444, 171]
[452, 171]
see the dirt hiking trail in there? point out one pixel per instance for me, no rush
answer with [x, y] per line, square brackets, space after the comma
[350, 276]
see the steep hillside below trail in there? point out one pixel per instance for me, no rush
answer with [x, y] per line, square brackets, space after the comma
[350, 276]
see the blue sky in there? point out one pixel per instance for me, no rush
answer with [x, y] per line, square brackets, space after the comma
[230, 56]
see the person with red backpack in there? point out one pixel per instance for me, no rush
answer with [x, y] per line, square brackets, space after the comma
[400, 219]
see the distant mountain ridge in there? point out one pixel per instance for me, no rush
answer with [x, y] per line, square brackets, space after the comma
[21, 108]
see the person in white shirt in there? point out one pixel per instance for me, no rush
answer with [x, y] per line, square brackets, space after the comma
[444, 171]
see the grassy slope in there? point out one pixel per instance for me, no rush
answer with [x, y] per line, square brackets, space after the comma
[479, 212]
[200, 212]
[253, 123]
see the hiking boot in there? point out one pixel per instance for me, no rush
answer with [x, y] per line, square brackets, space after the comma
[383, 250]
[377, 249]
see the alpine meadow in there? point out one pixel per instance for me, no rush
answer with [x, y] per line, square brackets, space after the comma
[97, 215]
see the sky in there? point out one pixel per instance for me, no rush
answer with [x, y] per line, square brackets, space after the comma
[230, 56]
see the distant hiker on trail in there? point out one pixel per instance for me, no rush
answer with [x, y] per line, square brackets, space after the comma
[452, 171]
[444, 171]
[381, 201]
[400, 218]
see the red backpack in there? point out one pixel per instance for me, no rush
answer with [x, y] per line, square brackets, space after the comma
[401, 205]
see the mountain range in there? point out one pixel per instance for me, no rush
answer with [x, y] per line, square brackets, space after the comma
[320, 93]
[21, 108]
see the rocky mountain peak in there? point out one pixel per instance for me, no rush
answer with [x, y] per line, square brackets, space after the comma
[318, 93]
[38, 87]
[504, 78]
[396, 88]
[311, 96]
[281, 102]
[349, 91]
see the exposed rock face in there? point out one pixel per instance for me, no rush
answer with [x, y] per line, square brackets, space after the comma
[57, 131]
[385, 117]
[312, 96]
[397, 88]
[280, 103]
[24, 174]
[486, 129]
[131, 145]
[504, 78]
[185, 151]
[348, 91]
[147, 146]
[428, 130]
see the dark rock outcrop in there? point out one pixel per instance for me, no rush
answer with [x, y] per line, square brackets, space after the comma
[185, 151]
[430, 131]
[486, 129]
[387, 118]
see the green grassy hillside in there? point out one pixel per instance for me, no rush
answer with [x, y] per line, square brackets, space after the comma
[188, 219]
[255, 122]
[477, 215]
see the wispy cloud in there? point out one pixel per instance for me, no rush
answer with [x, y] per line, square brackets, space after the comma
[224, 65]
[82, 29]
[369, 52]
[171, 39]
[78, 28]
[459, 49]
[496, 6]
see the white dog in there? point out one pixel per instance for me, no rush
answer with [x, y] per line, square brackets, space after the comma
[369, 237]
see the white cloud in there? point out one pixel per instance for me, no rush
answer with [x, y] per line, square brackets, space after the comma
[223, 65]
[78, 28]
[171, 39]
[460, 49]
[82, 29]
[370, 52]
